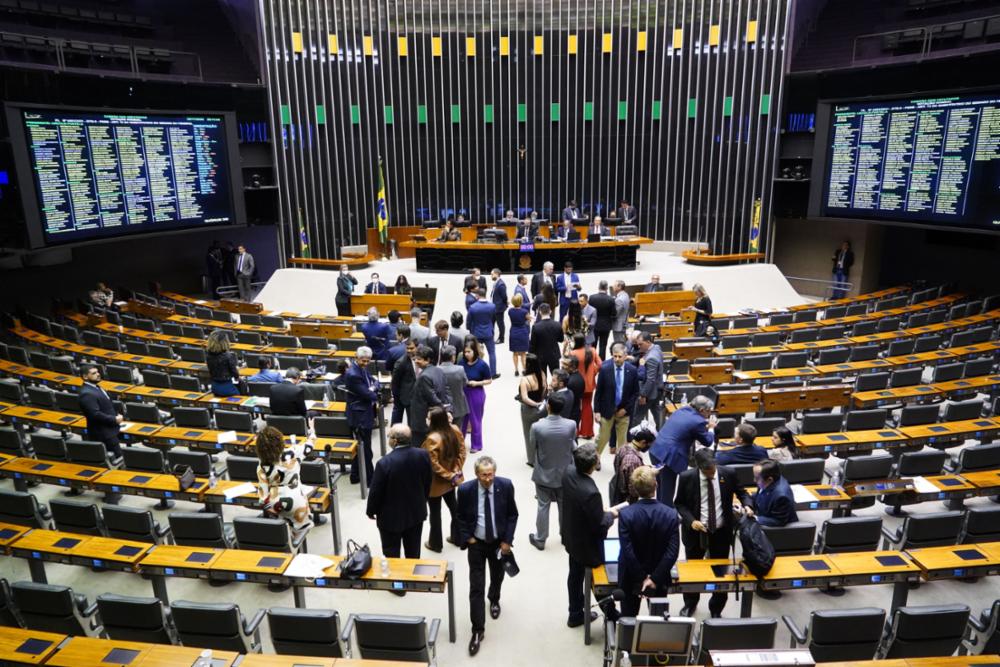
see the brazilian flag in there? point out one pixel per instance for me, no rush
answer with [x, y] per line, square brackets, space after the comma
[381, 209]
[303, 239]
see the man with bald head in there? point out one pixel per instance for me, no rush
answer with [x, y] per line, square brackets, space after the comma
[654, 284]
[397, 500]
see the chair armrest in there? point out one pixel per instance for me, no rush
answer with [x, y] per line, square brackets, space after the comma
[977, 624]
[432, 633]
[163, 531]
[891, 535]
[44, 511]
[90, 609]
[345, 632]
[253, 626]
[798, 635]
[951, 465]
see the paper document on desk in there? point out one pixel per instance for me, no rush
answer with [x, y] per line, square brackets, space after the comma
[802, 494]
[226, 436]
[237, 491]
[124, 426]
[923, 486]
[310, 404]
[308, 566]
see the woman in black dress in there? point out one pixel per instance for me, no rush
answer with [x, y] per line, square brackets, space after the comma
[702, 309]
[402, 285]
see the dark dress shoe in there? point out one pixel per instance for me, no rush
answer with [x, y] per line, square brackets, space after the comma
[687, 611]
[449, 540]
[494, 610]
[535, 542]
[577, 622]
[768, 594]
[427, 545]
[477, 639]
[497, 376]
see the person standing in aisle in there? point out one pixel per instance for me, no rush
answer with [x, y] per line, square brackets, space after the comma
[345, 286]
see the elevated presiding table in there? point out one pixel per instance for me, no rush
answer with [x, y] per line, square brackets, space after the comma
[458, 256]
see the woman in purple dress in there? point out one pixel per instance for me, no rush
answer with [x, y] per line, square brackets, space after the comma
[478, 374]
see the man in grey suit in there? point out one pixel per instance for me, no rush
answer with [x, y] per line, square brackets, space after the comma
[650, 365]
[418, 332]
[554, 438]
[244, 272]
[431, 389]
[441, 339]
[455, 377]
[622, 302]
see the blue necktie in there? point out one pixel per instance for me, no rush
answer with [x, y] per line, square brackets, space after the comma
[619, 380]
[239, 267]
[488, 517]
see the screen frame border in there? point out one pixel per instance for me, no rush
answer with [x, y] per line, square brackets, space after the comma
[30, 195]
[814, 206]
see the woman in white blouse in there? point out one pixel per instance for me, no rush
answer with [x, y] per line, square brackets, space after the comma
[782, 445]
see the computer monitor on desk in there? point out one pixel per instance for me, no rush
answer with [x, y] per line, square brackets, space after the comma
[612, 547]
[627, 230]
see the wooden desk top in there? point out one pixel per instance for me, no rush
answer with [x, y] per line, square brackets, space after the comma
[13, 638]
[942, 429]
[831, 441]
[178, 434]
[50, 541]
[53, 469]
[824, 493]
[818, 344]
[258, 562]
[170, 555]
[139, 429]
[868, 296]
[882, 396]
[576, 245]
[43, 416]
[700, 571]
[790, 567]
[94, 652]
[159, 655]
[947, 483]
[774, 374]
[949, 661]
[11, 532]
[400, 569]
[983, 479]
[868, 563]
[268, 660]
[968, 384]
[131, 479]
[950, 558]
[143, 391]
[113, 550]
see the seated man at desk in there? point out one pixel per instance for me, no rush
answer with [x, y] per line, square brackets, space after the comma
[774, 503]
[508, 218]
[266, 372]
[288, 398]
[526, 229]
[376, 286]
[597, 227]
[449, 233]
[745, 451]
[567, 232]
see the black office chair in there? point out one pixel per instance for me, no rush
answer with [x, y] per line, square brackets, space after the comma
[49, 447]
[185, 383]
[765, 425]
[135, 619]
[743, 472]
[51, 608]
[312, 632]
[922, 463]
[136, 347]
[907, 377]
[767, 338]
[725, 429]
[195, 355]
[822, 422]
[780, 318]
[156, 379]
[982, 635]
[9, 615]
[980, 524]
[839, 634]
[90, 453]
[791, 359]
[916, 415]
[978, 367]
[242, 468]
[250, 318]
[730, 342]
[268, 535]
[132, 523]
[12, 442]
[272, 321]
[67, 402]
[146, 413]
[866, 420]
[23, 509]
[963, 410]
[975, 458]
[803, 471]
[288, 424]
[74, 516]
[219, 626]
[40, 397]
[850, 533]
[756, 362]
[731, 634]
[260, 389]
[899, 348]
[201, 529]
[947, 372]
[192, 417]
[927, 343]
[792, 539]
[332, 427]
[836, 312]
[926, 631]
[199, 462]
[231, 420]
[938, 529]
[871, 381]
[863, 328]
[861, 469]
[745, 322]
[249, 338]
[834, 355]
[863, 352]
[804, 336]
[160, 351]
[282, 340]
[391, 637]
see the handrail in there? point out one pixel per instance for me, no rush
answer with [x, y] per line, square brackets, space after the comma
[927, 35]
[831, 285]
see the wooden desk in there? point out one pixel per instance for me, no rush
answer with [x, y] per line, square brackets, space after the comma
[969, 386]
[247, 565]
[824, 497]
[137, 431]
[693, 350]
[109, 553]
[737, 402]
[955, 562]
[10, 532]
[670, 303]
[987, 482]
[792, 399]
[976, 350]
[943, 434]
[676, 330]
[458, 256]
[875, 567]
[197, 438]
[915, 394]
[946, 487]
[360, 303]
[730, 352]
[70, 475]
[162, 396]
[160, 655]
[149, 485]
[39, 546]
[99, 652]
[704, 259]
[51, 419]
[849, 441]
[711, 373]
[268, 660]
[13, 639]
[791, 572]
[761, 377]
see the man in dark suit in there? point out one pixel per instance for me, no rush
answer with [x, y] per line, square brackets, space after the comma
[481, 321]
[568, 288]
[559, 386]
[430, 389]
[585, 524]
[378, 335]
[376, 286]
[647, 530]
[288, 398]
[707, 527]
[625, 212]
[362, 401]
[654, 284]
[442, 339]
[476, 280]
[542, 278]
[499, 298]
[604, 304]
[398, 498]
[650, 379]
[614, 397]
[404, 379]
[672, 449]
[245, 267]
[576, 385]
[571, 212]
[544, 340]
[843, 260]
[95, 404]
[597, 227]
[744, 451]
[774, 502]
[397, 351]
[487, 517]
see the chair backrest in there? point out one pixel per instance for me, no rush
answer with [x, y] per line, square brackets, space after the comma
[18, 355]
[74, 516]
[171, 329]
[197, 529]
[864, 328]
[729, 342]
[916, 320]
[134, 619]
[43, 397]
[792, 539]
[10, 390]
[805, 316]
[831, 333]
[8, 612]
[822, 422]
[160, 351]
[142, 412]
[925, 631]
[262, 389]
[200, 462]
[835, 312]
[845, 634]
[67, 401]
[887, 324]
[130, 523]
[731, 634]
[385, 637]
[977, 367]
[962, 410]
[315, 391]
[906, 377]
[979, 457]
[725, 428]
[802, 471]
[863, 352]
[855, 309]
[850, 533]
[756, 362]
[900, 347]
[249, 338]
[282, 340]
[285, 361]
[287, 424]
[49, 447]
[87, 452]
[242, 468]
[50, 608]
[192, 354]
[871, 381]
[804, 336]
[315, 473]
[745, 322]
[194, 331]
[185, 383]
[767, 338]
[792, 359]
[250, 318]
[937, 529]
[860, 468]
[929, 462]
[192, 417]
[312, 632]
[262, 534]
[981, 524]
[210, 625]
[781, 318]
[233, 420]
[948, 372]
[765, 425]
[744, 473]
[927, 343]
[12, 442]
[272, 321]
[157, 379]
[835, 355]
[22, 508]
[865, 420]
[143, 459]
[913, 415]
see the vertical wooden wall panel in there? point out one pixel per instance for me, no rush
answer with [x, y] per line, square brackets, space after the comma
[478, 106]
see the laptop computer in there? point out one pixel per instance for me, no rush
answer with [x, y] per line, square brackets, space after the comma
[593, 238]
[611, 548]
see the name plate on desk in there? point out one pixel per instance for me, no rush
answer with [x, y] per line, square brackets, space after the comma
[878, 487]
[772, 658]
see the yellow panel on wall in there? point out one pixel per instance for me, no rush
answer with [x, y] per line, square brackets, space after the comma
[640, 40]
[367, 45]
[713, 35]
[402, 46]
[470, 46]
[751, 31]
[297, 42]
[539, 45]
[436, 46]
[504, 45]
[571, 44]
[607, 42]
[331, 43]
[678, 38]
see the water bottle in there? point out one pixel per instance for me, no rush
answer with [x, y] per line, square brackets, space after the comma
[385, 567]
[204, 659]
[835, 480]
[212, 481]
[684, 399]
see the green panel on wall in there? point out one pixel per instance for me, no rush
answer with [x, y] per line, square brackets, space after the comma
[456, 113]
[355, 114]
[422, 114]
[286, 114]
[727, 106]
[692, 107]
[320, 114]
[387, 112]
[588, 111]
[522, 112]
[622, 109]
[487, 113]
[554, 111]
[657, 109]
[765, 105]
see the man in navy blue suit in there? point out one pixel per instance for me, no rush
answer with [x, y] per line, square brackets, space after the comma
[499, 298]
[672, 447]
[649, 544]
[96, 406]
[614, 397]
[744, 451]
[482, 317]
[774, 502]
[362, 399]
[378, 335]
[487, 517]
[376, 286]
[568, 288]
[400, 486]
